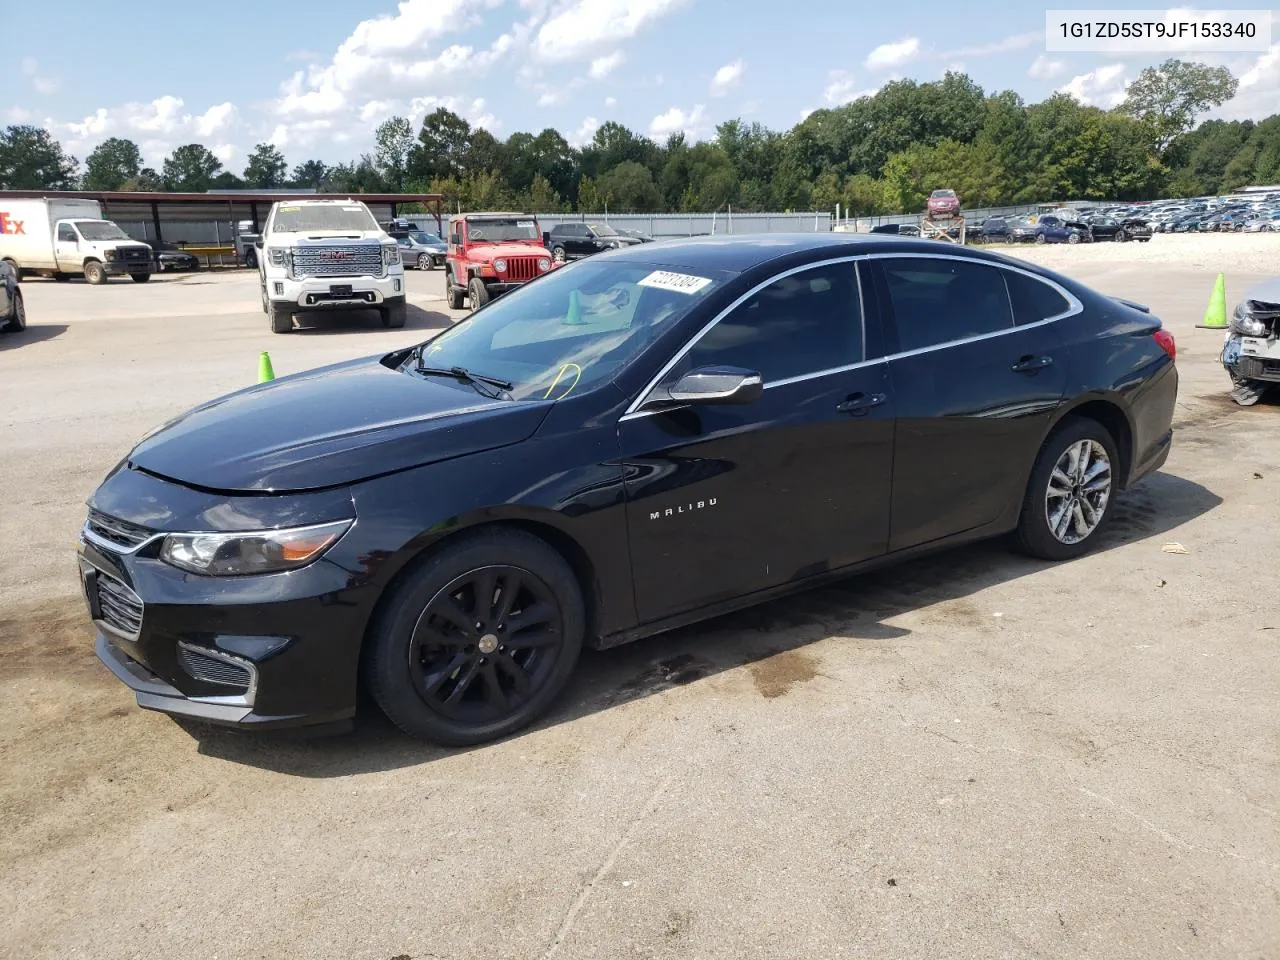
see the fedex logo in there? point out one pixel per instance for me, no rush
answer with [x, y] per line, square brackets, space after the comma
[9, 225]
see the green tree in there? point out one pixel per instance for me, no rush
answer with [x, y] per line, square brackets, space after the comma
[543, 197]
[190, 169]
[266, 167]
[31, 159]
[591, 198]
[1168, 98]
[310, 173]
[441, 150]
[630, 188]
[147, 180]
[111, 164]
[393, 143]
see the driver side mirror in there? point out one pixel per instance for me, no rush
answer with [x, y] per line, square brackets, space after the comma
[257, 243]
[717, 385]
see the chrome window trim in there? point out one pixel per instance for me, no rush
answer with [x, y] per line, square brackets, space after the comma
[1074, 308]
[633, 410]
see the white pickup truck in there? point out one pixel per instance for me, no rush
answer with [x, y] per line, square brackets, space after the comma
[328, 255]
[61, 237]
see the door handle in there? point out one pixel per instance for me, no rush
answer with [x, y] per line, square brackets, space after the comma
[860, 403]
[1032, 364]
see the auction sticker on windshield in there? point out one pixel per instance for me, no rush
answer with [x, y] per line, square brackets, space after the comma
[675, 282]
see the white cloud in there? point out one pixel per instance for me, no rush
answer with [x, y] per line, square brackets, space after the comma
[889, 55]
[841, 89]
[611, 102]
[727, 77]
[581, 28]
[41, 84]
[601, 67]
[953, 67]
[215, 119]
[584, 133]
[1015, 42]
[1256, 96]
[228, 153]
[550, 98]
[375, 111]
[692, 124]
[1103, 87]
[1042, 68]
[19, 115]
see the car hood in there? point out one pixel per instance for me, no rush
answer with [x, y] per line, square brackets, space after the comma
[329, 427]
[491, 251]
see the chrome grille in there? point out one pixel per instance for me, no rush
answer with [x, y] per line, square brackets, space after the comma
[215, 667]
[120, 532]
[121, 607]
[521, 268]
[338, 260]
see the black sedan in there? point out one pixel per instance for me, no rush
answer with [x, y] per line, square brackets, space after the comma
[1111, 228]
[171, 258]
[633, 442]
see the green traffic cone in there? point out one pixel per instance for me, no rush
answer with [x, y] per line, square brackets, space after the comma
[265, 372]
[575, 309]
[1215, 317]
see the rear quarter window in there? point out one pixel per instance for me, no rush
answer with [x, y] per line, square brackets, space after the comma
[1033, 300]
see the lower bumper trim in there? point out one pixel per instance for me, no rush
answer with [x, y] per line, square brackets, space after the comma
[152, 693]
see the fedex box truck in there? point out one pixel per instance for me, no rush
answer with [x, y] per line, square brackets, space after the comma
[60, 238]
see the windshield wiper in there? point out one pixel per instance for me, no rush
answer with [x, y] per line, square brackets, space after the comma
[463, 375]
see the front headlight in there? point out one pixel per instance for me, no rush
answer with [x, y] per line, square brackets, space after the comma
[278, 256]
[111, 254]
[390, 254]
[241, 553]
[1246, 324]
[500, 265]
[544, 264]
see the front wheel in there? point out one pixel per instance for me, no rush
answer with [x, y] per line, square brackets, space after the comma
[393, 317]
[1068, 498]
[1121, 236]
[140, 277]
[424, 261]
[479, 640]
[1041, 238]
[477, 293]
[558, 254]
[94, 272]
[281, 317]
[1073, 237]
[17, 319]
[453, 294]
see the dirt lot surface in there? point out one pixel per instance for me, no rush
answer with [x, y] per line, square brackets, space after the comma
[973, 755]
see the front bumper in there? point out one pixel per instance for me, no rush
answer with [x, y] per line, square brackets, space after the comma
[501, 286]
[340, 293]
[121, 268]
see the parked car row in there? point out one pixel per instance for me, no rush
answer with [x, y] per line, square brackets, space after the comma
[1062, 227]
[572, 241]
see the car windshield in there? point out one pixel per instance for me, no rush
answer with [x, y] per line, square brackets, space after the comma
[604, 230]
[571, 329]
[942, 194]
[100, 230]
[512, 228]
[304, 217]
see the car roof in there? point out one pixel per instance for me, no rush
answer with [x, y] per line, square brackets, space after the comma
[482, 216]
[741, 253]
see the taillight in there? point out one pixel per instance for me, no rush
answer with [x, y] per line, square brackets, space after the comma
[1165, 339]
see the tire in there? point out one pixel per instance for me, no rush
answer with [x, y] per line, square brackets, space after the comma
[414, 633]
[140, 277]
[94, 273]
[558, 254]
[477, 293]
[251, 258]
[1121, 236]
[452, 293]
[281, 317]
[1034, 534]
[61, 277]
[1041, 238]
[1073, 237]
[424, 261]
[393, 317]
[16, 322]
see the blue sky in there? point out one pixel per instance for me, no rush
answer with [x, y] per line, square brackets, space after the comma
[317, 84]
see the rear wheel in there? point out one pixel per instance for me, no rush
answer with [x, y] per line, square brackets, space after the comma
[1068, 499]
[251, 258]
[479, 640]
[94, 272]
[140, 277]
[393, 317]
[16, 322]
[281, 317]
[477, 293]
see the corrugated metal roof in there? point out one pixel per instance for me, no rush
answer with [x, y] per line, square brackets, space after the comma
[108, 196]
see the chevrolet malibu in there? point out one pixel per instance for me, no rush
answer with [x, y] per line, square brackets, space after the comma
[637, 441]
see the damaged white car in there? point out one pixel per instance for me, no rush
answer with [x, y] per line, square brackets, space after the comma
[1251, 352]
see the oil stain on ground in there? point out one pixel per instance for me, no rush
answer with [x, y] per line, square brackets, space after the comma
[776, 675]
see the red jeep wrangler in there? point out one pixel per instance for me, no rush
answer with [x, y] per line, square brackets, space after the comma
[489, 254]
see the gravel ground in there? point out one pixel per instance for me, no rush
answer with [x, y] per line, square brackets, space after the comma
[1216, 252]
[972, 755]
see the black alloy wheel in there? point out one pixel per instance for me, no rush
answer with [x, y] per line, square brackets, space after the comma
[479, 640]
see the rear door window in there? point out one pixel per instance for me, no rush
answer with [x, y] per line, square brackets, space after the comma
[937, 301]
[1033, 300]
